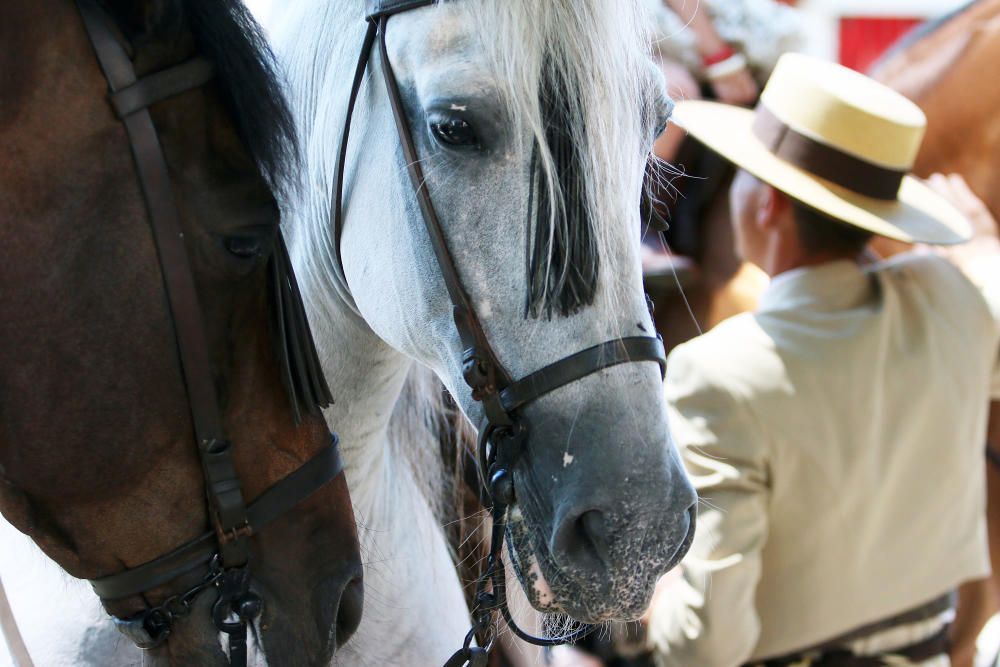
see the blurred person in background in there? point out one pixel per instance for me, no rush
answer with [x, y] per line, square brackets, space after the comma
[723, 49]
[836, 434]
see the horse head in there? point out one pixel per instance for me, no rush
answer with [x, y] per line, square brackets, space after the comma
[99, 463]
[532, 123]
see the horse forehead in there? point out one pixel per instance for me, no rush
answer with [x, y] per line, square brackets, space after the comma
[438, 37]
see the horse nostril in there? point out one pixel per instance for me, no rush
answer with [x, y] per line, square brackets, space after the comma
[349, 611]
[593, 531]
[585, 541]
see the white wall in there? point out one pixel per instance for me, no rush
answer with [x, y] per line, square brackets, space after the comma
[260, 8]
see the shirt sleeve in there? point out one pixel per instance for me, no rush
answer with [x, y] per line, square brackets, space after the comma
[984, 272]
[708, 617]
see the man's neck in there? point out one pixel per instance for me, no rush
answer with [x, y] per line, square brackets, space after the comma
[778, 263]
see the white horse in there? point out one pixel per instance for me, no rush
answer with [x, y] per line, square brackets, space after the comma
[490, 88]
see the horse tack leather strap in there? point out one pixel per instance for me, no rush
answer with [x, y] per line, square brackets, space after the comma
[582, 364]
[379, 8]
[222, 482]
[827, 162]
[162, 85]
[269, 505]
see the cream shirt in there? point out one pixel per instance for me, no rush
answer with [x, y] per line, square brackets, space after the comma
[836, 439]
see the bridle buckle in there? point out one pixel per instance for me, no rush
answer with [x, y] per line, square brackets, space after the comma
[242, 531]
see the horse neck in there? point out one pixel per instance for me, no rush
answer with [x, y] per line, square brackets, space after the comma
[393, 471]
[389, 454]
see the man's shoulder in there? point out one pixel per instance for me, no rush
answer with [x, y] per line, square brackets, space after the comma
[946, 288]
[737, 356]
[927, 269]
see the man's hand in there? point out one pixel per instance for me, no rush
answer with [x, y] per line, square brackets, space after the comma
[665, 586]
[738, 88]
[954, 188]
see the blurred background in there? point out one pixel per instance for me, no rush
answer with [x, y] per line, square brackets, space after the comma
[851, 32]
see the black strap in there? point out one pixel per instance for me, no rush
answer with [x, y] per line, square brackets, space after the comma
[916, 653]
[160, 86]
[580, 365]
[378, 8]
[269, 505]
[469, 328]
[222, 484]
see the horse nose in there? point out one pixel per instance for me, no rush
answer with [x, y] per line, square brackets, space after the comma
[340, 598]
[583, 541]
[349, 611]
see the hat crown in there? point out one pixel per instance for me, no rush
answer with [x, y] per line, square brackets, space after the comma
[846, 110]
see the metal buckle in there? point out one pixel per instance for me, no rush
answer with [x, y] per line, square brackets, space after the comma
[227, 536]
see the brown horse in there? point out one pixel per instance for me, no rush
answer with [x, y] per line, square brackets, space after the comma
[947, 67]
[98, 463]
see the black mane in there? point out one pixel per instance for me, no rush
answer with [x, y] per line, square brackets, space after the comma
[226, 33]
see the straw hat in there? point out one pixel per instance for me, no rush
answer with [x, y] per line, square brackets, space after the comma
[837, 142]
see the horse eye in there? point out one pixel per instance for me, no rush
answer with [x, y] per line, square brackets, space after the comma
[455, 132]
[245, 247]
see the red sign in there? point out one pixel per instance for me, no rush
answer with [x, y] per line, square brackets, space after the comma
[863, 40]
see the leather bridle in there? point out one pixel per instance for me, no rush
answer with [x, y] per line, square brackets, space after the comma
[224, 551]
[502, 433]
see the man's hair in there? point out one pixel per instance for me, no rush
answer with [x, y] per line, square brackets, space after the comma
[819, 233]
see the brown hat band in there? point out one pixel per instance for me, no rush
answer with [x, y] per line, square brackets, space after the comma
[827, 162]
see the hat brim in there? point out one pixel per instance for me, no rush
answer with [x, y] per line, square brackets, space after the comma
[919, 216]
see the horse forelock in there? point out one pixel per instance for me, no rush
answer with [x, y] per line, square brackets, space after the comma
[573, 74]
[246, 72]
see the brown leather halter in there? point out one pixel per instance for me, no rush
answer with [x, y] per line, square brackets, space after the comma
[502, 434]
[224, 551]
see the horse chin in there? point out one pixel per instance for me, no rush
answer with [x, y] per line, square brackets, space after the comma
[525, 565]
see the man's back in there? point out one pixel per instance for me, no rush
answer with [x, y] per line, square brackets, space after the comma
[840, 427]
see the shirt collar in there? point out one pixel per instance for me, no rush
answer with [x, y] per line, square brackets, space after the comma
[830, 286]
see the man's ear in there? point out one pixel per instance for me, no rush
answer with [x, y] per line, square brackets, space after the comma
[771, 207]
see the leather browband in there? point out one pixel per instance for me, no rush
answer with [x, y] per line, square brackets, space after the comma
[269, 505]
[580, 365]
[825, 161]
[379, 8]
